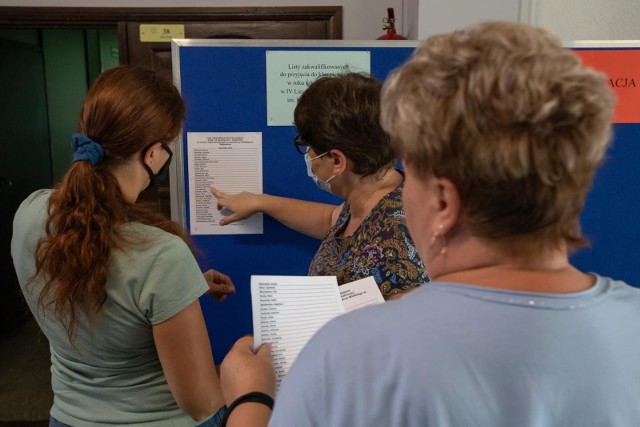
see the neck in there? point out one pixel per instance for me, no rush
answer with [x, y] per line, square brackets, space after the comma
[482, 265]
[366, 191]
[130, 181]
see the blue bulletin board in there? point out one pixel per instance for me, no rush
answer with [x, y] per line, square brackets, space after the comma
[224, 85]
[611, 218]
[612, 210]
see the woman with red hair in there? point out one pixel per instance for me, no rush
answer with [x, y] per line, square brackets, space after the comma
[112, 283]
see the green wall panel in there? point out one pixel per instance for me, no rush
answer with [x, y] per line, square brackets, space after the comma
[66, 76]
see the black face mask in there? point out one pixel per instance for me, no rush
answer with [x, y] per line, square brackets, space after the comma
[154, 179]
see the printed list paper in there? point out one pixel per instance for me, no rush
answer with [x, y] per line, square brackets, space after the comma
[231, 162]
[288, 310]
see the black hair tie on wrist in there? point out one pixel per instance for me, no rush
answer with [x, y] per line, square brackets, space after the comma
[254, 396]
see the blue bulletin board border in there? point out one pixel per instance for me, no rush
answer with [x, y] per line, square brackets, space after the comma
[223, 83]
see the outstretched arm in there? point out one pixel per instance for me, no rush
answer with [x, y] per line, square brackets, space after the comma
[310, 218]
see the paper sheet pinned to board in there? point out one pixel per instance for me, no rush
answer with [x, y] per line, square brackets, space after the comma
[231, 162]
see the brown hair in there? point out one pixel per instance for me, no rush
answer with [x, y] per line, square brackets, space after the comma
[126, 109]
[513, 120]
[342, 112]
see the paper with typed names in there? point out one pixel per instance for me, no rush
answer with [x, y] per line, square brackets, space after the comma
[231, 162]
[289, 310]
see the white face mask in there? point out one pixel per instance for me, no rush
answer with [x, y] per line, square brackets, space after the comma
[323, 185]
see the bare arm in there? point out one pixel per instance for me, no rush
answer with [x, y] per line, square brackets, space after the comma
[243, 371]
[310, 218]
[185, 354]
[250, 414]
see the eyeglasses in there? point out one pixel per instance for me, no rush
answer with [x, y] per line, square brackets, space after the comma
[301, 145]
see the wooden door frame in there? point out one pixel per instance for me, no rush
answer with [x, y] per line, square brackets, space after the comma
[17, 16]
[107, 17]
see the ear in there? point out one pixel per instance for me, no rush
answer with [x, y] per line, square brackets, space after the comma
[449, 204]
[339, 161]
[151, 153]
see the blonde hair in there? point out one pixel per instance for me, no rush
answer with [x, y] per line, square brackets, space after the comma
[512, 119]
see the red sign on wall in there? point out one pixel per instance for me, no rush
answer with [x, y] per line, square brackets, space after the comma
[622, 67]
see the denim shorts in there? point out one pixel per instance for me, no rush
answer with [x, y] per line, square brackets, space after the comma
[216, 419]
[55, 423]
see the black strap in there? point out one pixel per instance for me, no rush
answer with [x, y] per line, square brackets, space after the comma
[254, 396]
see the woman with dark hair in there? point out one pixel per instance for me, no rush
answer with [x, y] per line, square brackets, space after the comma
[348, 154]
[112, 283]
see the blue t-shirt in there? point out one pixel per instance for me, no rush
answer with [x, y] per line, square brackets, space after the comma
[456, 355]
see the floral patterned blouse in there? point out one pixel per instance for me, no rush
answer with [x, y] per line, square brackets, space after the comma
[380, 247]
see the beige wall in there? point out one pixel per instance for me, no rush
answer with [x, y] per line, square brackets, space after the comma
[437, 16]
[574, 20]
[571, 20]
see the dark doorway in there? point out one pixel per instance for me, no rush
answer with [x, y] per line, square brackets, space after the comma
[254, 22]
[30, 156]
[21, 170]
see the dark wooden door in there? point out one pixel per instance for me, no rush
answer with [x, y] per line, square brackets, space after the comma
[158, 54]
[256, 23]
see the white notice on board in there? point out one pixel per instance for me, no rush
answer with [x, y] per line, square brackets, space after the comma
[231, 162]
[290, 72]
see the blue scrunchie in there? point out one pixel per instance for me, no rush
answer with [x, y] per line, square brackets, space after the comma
[85, 149]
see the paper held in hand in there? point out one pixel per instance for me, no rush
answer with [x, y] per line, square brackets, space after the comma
[288, 310]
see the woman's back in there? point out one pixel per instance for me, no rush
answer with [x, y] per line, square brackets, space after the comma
[110, 372]
[474, 356]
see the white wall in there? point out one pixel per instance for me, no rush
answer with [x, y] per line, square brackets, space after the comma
[362, 19]
[574, 20]
[410, 19]
[438, 16]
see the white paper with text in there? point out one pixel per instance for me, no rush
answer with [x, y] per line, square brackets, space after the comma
[360, 293]
[231, 162]
[288, 310]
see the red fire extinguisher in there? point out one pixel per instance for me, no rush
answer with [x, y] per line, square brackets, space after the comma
[390, 26]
